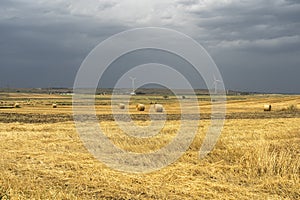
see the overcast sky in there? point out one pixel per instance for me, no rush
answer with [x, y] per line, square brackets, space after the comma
[255, 43]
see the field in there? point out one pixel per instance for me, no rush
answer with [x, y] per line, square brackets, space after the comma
[256, 157]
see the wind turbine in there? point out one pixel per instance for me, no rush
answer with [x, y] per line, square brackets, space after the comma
[215, 83]
[133, 87]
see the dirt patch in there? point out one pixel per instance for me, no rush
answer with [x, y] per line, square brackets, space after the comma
[54, 118]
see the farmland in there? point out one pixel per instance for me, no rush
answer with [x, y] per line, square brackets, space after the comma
[256, 157]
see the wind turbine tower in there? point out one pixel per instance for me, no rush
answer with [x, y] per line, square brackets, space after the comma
[133, 87]
[215, 83]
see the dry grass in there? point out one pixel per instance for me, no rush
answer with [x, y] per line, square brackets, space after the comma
[253, 159]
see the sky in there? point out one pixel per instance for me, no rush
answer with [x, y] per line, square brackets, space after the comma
[254, 43]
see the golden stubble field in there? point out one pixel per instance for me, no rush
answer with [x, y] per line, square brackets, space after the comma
[257, 155]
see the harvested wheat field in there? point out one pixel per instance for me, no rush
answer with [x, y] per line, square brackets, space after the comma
[256, 157]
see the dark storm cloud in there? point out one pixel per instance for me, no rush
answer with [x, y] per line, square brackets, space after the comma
[247, 27]
[251, 21]
[40, 45]
[256, 44]
[187, 2]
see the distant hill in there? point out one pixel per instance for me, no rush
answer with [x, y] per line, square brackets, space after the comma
[158, 90]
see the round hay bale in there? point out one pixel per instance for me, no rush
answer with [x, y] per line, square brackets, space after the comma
[122, 106]
[267, 107]
[54, 105]
[158, 108]
[17, 105]
[140, 107]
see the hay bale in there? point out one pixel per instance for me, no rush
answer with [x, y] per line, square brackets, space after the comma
[54, 105]
[267, 107]
[122, 106]
[17, 105]
[140, 107]
[158, 108]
